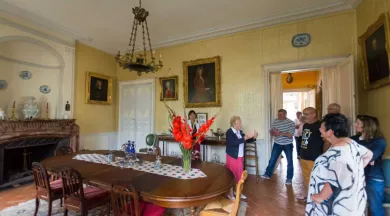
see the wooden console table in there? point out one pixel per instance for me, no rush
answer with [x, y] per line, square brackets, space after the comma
[209, 141]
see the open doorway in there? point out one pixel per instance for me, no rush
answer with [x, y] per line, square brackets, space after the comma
[300, 90]
[337, 85]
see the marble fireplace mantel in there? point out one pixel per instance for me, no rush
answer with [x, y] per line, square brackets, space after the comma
[17, 130]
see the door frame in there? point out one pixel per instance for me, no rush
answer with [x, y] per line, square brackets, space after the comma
[318, 64]
[135, 83]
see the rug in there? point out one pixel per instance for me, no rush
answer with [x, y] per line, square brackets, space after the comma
[27, 209]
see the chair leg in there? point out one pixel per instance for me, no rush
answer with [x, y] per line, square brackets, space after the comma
[109, 209]
[36, 206]
[66, 212]
[50, 203]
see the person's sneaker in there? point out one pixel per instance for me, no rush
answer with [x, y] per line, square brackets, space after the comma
[288, 181]
[264, 176]
[243, 196]
[302, 198]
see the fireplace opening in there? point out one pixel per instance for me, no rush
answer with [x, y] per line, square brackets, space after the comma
[19, 155]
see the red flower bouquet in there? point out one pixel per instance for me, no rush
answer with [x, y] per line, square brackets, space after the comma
[182, 133]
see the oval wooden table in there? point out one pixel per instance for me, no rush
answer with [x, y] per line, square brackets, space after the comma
[160, 190]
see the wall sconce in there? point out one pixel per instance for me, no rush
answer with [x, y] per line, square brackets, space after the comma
[289, 78]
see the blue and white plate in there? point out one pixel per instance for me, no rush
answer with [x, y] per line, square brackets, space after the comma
[26, 75]
[301, 40]
[3, 84]
[45, 89]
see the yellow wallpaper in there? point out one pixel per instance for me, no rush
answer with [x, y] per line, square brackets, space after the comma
[300, 80]
[242, 56]
[93, 118]
[373, 102]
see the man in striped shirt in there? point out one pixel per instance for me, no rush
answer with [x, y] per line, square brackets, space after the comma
[283, 130]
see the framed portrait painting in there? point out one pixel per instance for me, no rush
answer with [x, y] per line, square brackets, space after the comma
[169, 88]
[375, 52]
[98, 89]
[202, 82]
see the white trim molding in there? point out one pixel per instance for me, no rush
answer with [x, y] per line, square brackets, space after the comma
[278, 67]
[288, 16]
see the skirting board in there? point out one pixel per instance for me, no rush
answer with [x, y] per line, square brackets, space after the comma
[99, 141]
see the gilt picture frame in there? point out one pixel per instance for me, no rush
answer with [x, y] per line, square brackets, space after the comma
[202, 82]
[375, 53]
[169, 88]
[98, 89]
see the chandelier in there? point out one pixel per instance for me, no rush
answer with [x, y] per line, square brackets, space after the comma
[141, 63]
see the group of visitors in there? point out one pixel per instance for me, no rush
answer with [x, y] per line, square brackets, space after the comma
[340, 173]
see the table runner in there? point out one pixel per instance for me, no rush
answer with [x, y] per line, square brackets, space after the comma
[147, 166]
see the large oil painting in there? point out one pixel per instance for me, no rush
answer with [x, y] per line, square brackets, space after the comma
[98, 89]
[169, 88]
[202, 82]
[375, 52]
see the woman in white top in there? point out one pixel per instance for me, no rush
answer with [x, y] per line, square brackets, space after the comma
[337, 179]
[192, 122]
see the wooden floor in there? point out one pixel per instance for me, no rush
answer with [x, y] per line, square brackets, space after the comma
[265, 197]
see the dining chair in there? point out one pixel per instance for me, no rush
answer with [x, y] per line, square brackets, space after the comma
[125, 202]
[225, 206]
[63, 150]
[251, 154]
[46, 190]
[80, 199]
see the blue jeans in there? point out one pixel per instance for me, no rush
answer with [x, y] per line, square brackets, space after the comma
[375, 196]
[276, 151]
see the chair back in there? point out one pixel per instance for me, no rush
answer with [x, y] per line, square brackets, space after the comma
[125, 201]
[63, 150]
[41, 177]
[72, 182]
[240, 187]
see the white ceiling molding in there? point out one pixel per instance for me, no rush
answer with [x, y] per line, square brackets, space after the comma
[293, 15]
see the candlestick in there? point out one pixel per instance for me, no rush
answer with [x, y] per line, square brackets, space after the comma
[47, 112]
[13, 117]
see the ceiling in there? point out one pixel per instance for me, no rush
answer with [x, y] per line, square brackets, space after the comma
[106, 24]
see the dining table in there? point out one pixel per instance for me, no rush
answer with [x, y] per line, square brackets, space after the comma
[161, 190]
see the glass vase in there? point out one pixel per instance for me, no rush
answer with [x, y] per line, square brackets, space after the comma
[186, 161]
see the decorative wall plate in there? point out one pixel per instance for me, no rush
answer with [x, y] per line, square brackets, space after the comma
[301, 40]
[3, 84]
[45, 89]
[26, 75]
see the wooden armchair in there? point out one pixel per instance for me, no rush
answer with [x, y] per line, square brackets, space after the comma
[80, 199]
[125, 202]
[63, 150]
[225, 206]
[46, 190]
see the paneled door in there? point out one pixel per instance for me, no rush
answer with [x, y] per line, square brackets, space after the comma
[136, 112]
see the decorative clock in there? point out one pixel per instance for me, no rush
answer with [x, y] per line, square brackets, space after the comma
[301, 40]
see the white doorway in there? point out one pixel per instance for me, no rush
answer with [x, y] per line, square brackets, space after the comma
[136, 111]
[340, 88]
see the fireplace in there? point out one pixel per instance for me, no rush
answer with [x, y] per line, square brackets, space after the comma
[24, 142]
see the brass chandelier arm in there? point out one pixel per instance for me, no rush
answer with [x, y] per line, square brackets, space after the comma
[150, 44]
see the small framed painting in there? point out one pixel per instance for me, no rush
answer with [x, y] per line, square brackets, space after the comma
[169, 88]
[98, 89]
[375, 52]
[202, 118]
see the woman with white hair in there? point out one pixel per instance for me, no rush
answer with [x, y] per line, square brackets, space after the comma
[235, 144]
